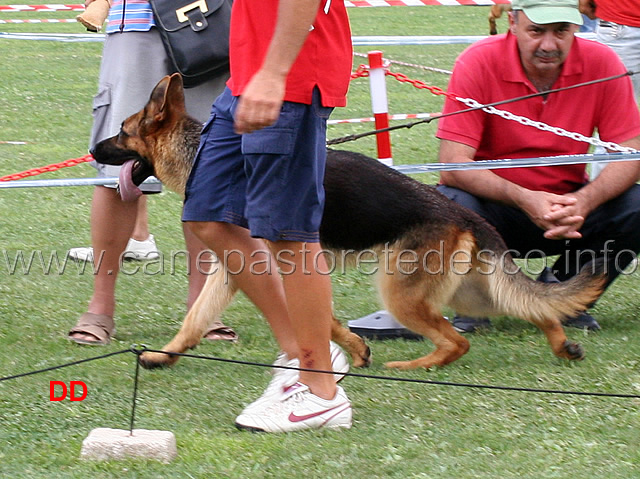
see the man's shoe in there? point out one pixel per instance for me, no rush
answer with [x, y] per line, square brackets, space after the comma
[583, 321]
[466, 324]
[297, 409]
[136, 250]
[547, 276]
[284, 378]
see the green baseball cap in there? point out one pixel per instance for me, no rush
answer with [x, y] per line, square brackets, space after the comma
[549, 11]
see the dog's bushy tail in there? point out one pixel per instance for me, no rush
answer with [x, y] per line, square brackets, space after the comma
[515, 294]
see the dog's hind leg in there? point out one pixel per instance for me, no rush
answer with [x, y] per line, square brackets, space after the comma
[560, 345]
[214, 298]
[409, 305]
[430, 323]
[352, 343]
[415, 299]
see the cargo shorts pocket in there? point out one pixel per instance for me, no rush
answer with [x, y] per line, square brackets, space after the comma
[271, 141]
[101, 122]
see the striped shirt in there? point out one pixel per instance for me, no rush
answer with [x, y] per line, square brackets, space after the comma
[130, 16]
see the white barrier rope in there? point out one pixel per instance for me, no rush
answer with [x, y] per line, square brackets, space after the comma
[111, 181]
[517, 162]
[507, 115]
[57, 37]
[406, 169]
[405, 64]
[356, 40]
[44, 20]
[400, 116]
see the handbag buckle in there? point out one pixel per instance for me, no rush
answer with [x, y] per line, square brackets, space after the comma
[181, 12]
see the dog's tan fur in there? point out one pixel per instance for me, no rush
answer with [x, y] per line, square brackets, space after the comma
[163, 141]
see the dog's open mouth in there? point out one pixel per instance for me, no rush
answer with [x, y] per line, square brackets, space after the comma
[132, 174]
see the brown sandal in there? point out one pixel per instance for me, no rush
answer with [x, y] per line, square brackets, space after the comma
[100, 326]
[220, 332]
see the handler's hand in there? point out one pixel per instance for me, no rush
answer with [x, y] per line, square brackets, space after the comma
[567, 220]
[557, 215]
[260, 103]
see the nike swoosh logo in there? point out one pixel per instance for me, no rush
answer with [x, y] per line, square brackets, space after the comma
[295, 418]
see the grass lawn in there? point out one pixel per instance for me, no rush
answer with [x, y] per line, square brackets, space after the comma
[401, 430]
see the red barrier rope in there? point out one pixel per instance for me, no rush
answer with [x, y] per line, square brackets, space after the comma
[361, 72]
[45, 169]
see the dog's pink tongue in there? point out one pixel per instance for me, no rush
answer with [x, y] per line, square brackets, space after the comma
[128, 191]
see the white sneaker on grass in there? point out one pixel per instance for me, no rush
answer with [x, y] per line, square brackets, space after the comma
[135, 250]
[297, 409]
[284, 378]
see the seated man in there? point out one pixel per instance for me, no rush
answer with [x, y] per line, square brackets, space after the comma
[545, 210]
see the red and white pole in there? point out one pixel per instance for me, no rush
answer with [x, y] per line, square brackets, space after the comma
[378, 87]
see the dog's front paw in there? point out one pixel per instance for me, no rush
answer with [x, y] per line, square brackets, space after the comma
[362, 358]
[572, 350]
[149, 360]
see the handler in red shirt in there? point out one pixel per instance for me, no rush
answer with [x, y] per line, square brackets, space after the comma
[546, 210]
[255, 195]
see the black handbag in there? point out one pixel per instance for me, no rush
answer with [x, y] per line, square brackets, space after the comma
[195, 36]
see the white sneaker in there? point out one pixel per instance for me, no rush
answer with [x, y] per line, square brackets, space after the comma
[136, 250]
[81, 254]
[284, 378]
[142, 250]
[299, 409]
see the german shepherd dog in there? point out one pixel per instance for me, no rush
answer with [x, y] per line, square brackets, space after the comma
[436, 252]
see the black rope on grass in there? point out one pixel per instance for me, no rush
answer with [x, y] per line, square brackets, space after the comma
[139, 349]
[53, 368]
[406, 380]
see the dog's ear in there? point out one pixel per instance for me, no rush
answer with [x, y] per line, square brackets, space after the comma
[174, 98]
[167, 99]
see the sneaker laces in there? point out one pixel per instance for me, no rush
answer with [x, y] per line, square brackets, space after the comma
[293, 395]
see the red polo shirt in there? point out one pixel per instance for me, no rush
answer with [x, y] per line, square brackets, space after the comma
[623, 12]
[325, 59]
[490, 70]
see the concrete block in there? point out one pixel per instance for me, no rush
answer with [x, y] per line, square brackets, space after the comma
[105, 443]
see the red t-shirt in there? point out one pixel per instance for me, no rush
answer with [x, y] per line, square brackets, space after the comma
[490, 71]
[325, 59]
[623, 12]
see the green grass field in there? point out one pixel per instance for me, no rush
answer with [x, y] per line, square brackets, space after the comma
[401, 430]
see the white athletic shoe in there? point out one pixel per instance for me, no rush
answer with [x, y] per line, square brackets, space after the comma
[136, 250]
[284, 378]
[142, 250]
[297, 409]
